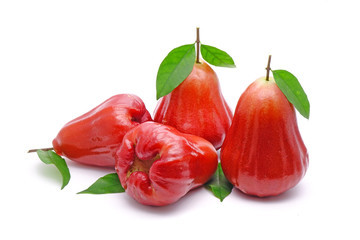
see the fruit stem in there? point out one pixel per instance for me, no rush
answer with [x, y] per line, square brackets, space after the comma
[43, 149]
[268, 69]
[197, 45]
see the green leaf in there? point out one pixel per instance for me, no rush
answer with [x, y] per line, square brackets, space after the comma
[219, 185]
[292, 89]
[216, 56]
[50, 157]
[173, 70]
[109, 183]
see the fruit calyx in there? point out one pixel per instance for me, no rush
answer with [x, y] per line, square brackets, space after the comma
[268, 69]
[140, 165]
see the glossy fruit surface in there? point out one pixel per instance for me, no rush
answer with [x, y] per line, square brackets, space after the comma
[157, 164]
[94, 137]
[197, 106]
[263, 153]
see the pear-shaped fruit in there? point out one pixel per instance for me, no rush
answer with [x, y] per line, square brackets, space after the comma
[197, 106]
[94, 137]
[263, 153]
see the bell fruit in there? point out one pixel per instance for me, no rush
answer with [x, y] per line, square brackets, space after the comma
[263, 153]
[197, 106]
[157, 164]
[94, 137]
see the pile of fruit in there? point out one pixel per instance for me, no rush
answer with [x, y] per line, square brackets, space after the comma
[157, 161]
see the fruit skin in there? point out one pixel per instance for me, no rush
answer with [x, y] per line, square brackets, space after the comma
[197, 106]
[263, 153]
[94, 137]
[157, 164]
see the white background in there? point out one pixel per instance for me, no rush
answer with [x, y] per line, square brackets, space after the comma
[59, 59]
